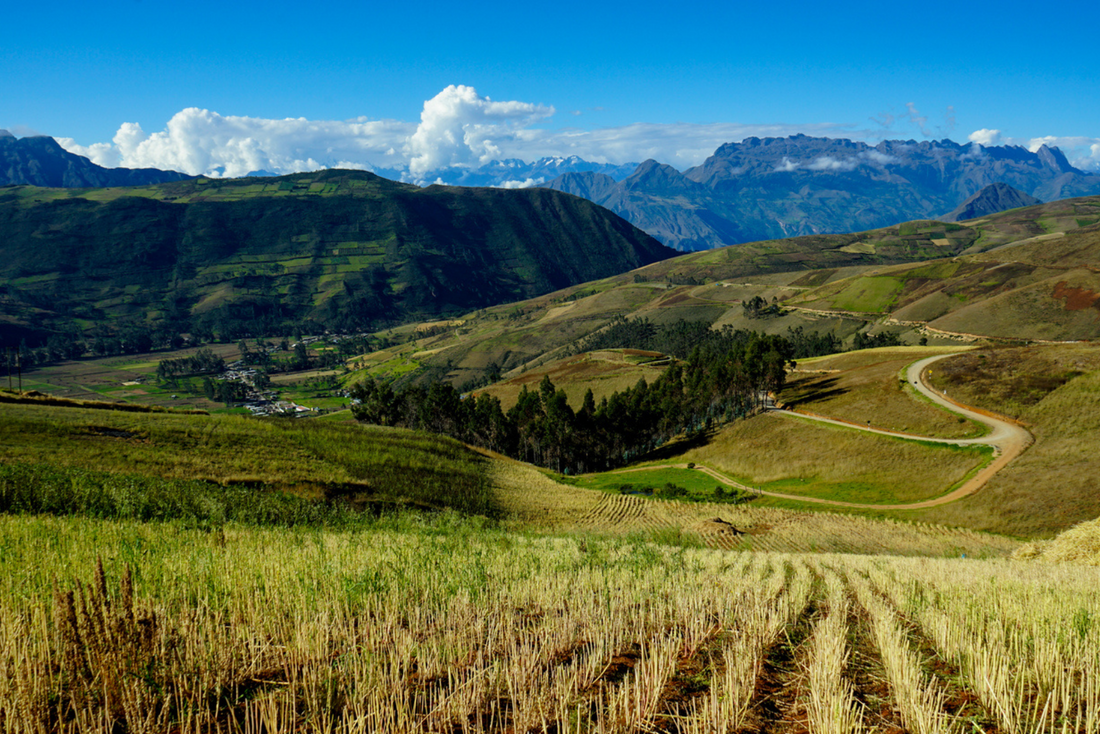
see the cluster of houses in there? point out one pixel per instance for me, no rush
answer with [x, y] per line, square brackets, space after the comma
[260, 400]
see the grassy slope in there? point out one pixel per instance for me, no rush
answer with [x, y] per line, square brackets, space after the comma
[1055, 391]
[799, 457]
[308, 458]
[809, 459]
[1014, 283]
[318, 460]
[534, 501]
[972, 288]
[869, 385]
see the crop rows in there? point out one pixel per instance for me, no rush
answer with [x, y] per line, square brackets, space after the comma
[417, 630]
[783, 531]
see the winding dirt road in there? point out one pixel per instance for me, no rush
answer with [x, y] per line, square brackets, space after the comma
[1007, 438]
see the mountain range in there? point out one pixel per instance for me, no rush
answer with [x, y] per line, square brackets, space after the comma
[755, 190]
[783, 187]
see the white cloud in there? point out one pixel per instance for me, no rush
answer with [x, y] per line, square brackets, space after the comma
[876, 156]
[525, 184]
[985, 137]
[102, 154]
[198, 141]
[828, 163]
[457, 127]
[786, 166]
[460, 128]
[974, 152]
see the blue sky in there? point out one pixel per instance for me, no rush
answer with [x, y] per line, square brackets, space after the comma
[610, 81]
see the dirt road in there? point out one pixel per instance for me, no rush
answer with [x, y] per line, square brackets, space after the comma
[1007, 438]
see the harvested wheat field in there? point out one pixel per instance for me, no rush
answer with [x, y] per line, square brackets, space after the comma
[446, 626]
[537, 502]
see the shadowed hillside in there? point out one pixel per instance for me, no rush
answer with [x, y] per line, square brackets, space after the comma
[347, 250]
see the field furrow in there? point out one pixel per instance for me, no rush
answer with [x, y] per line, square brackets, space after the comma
[777, 704]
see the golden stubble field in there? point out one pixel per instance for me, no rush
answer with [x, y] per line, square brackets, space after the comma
[444, 626]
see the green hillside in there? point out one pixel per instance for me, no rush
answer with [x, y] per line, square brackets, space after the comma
[1026, 274]
[343, 249]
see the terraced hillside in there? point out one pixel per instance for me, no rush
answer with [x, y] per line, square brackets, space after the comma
[346, 249]
[1035, 277]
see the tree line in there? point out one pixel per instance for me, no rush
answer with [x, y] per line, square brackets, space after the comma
[722, 378]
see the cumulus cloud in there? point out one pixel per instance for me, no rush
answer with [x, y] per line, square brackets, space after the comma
[985, 137]
[458, 127]
[198, 141]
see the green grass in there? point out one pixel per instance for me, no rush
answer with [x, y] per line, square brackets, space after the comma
[699, 486]
[869, 295]
[309, 458]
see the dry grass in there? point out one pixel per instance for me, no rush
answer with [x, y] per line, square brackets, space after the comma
[1079, 544]
[128, 627]
[817, 460]
[536, 502]
[870, 385]
[603, 372]
[1055, 391]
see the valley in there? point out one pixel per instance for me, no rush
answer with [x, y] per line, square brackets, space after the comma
[842, 481]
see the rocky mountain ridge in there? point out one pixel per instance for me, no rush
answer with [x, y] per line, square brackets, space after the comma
[993, 199]
[781, 187]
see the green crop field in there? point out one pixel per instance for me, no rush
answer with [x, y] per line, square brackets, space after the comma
[868, 295]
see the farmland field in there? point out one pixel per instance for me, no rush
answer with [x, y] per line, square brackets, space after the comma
[169, 572]
[275, 630]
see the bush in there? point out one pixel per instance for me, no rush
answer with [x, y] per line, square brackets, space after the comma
[673, 490]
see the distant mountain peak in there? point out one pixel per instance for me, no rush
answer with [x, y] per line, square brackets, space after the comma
[993, 199]
[651, 174]
[1055, 160]
[6, 134]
